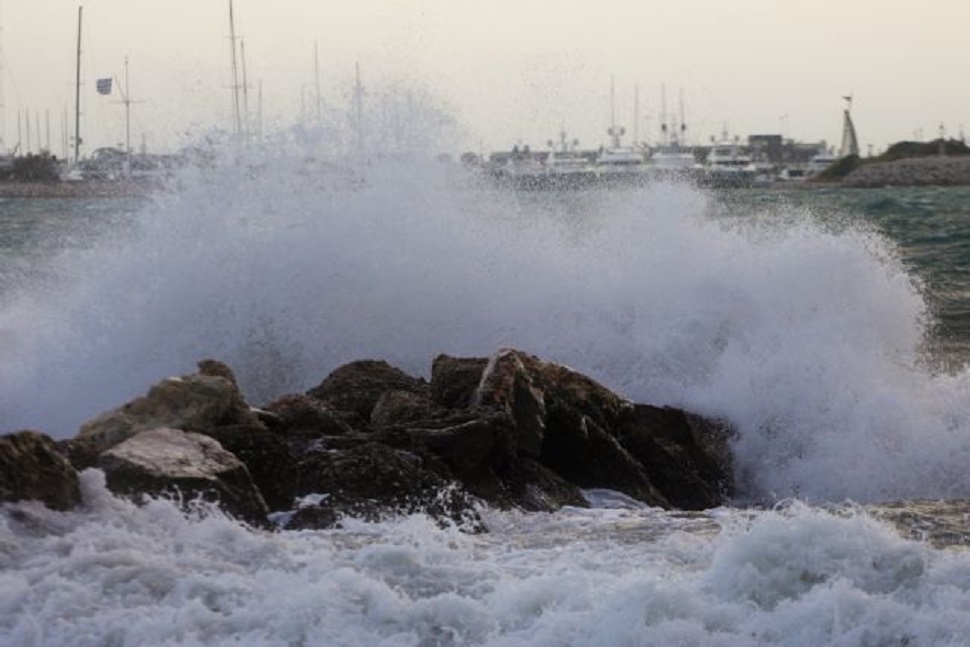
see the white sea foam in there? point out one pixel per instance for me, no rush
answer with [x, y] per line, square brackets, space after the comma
[115, 574]
[806, 337]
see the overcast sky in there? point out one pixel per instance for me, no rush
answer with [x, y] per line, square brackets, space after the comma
[510, 71]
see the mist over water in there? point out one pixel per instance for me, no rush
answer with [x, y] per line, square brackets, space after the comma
[806, 337]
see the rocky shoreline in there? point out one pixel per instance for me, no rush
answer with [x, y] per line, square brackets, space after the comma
[510, 431]
[913, 171]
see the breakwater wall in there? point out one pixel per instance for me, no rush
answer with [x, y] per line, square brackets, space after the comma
[914, 171]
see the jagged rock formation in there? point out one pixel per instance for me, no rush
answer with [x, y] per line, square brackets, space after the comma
[370, 440]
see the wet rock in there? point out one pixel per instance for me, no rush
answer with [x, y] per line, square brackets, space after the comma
[302, 415]
[194, 402]
[312, 517]
[509, 383]
[509, 430]
[397, 407]
[186, 466]
[268, 457]
[472, 445]
[530, 486]
[687, 457]
[32, 468]
[372, 480]
[584, 453]
[214, 367]
[356, 387]
[565, 420]
[454, 380]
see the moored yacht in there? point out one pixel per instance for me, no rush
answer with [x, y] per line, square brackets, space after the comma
[728, 166]
[617, 164]
[568, 167]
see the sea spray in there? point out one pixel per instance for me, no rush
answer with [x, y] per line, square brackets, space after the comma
[806, 337]
[117, 573]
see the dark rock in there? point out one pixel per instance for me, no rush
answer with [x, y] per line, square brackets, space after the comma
[267, 456]
[356, 387]
[471, 444]
[372, 480]
[170, 462]
[477, 450]
[567, 421]
[584, 453]
[567, 389]
[399, 407]
[81, 452]
[302, 415]
[533, 487]
[214, 367]
[32, 468]
[510, 430]
[312, 517]
[454, 380]
[687, 457]
[509, 383]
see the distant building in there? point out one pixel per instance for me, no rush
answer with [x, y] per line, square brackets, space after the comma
[766, 148]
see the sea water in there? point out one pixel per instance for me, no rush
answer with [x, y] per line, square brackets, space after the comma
[829, 327]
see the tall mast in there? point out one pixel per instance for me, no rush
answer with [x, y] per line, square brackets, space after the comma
[664, 130]
[612, 102]
[3, 103]
[636, 114]
[77, 92]
[236, 116]
[245, 89]
[359, 110]
[614, 131]
[316, 74]
[682, 135]
[127, 98]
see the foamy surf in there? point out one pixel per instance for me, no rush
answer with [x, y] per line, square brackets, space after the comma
[114, 573]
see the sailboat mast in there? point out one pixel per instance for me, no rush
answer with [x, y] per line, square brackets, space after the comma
[236, 117]
[3, 102]
[359, 110]
[316, 75]
[682, 136]
[614, 131]
[612, 103]
[636, 114]
[245, 89]
[77, 92]
[127, 116]
[664, 130]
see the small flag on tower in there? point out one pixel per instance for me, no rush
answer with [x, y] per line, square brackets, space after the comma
[104, 86]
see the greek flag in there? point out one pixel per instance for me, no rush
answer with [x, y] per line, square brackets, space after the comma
[104, 86]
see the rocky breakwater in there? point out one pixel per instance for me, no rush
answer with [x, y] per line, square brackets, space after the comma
[912, 171]
[510, 430]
